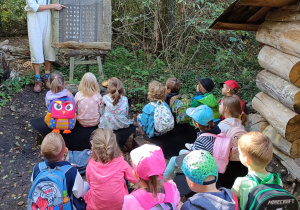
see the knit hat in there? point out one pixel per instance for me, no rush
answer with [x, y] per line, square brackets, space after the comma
[148, 160]
[207, 83]
[198, 165]
[201, 114]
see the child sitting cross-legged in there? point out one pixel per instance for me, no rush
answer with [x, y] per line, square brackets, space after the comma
[146, 120]
[148, 162]
[202, 117]
[114, 107]
[87, 101]
[106, 172]
[201, 172]
[55, 176]
[205, 97]
[256, 151]
[231, 88]
[173, 87]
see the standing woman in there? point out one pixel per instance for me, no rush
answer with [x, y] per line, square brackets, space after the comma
[40, 38]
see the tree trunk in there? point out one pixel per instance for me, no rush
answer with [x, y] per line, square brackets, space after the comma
[291, 149]
[284, 36]
[281, 64]
[256, 123]
[289, 163]
[279, 89]
[284, 120]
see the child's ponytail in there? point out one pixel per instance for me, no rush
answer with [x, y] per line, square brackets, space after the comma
[104, 145]
[57, 82]
[116, 89]
[153, 184]
[244, 118]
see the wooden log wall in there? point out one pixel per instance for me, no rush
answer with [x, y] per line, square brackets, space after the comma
[279, 81]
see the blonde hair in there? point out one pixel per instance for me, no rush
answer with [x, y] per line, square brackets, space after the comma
[115, 89]
[156, 91]
[173, 84]
[234, 106]
[57, 82]
[257, 146]
[89, 85]
[104, 145]
[53, 147]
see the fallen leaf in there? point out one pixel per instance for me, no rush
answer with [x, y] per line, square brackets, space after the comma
[17, 137]
[17, 144]
[5, 177]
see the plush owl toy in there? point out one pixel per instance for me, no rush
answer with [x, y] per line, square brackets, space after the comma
[61, 115]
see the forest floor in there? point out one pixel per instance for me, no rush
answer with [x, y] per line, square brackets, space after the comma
[20, 143]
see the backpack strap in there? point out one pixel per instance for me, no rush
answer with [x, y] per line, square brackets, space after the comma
[147, 201]
[222, 134]
[276, 179]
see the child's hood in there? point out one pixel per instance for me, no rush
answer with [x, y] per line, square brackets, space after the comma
[50, 95]
[223, 200]
[104, 172]
[123, 100]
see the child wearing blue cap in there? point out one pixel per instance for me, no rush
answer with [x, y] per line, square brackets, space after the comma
[202, 117]
[201, 172]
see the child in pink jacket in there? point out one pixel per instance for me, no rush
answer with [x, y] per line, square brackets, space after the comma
[105, 173]
[149, 164]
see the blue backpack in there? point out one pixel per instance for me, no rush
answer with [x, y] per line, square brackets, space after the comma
[49, 189]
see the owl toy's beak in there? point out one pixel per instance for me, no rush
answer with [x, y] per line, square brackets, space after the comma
[63, 112]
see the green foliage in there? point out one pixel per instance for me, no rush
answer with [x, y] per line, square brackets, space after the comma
[12, 15]
[9, 87]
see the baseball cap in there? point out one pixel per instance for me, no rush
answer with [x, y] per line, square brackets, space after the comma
[148, 160]
[207, 83]
[198, 165]
[231, 84]
[201, 114]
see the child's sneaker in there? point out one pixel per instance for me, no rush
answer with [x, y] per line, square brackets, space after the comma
[37, 86]
[188, 146]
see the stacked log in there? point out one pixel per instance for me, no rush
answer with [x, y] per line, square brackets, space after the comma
[279, 81]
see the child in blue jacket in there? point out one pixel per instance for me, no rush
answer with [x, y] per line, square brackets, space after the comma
[156, 92]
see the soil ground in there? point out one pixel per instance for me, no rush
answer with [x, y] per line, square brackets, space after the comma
[20, 144]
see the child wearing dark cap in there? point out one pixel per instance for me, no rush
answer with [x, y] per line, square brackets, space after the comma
[201, 172]
[205, 97]
[230, 88]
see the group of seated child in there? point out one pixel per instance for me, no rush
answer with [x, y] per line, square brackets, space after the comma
[107, 172]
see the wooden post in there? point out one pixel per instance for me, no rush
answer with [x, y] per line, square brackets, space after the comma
[284, 120]
[100, 68]
[72, 66]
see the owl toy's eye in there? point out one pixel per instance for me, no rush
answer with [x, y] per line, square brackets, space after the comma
[69, 107]
[57, 106]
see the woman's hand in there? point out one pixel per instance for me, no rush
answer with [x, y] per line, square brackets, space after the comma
[58, 6]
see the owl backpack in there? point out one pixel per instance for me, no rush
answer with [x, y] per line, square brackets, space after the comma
[61, 115]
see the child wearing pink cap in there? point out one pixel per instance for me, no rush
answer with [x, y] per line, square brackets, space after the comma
[149, 163]
[230, 88]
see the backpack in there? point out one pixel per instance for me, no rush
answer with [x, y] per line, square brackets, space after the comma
[148, 202]
[221, 150]
[234, 133]
[61, 114]
[49, 189]
[79, 159]
[163, 118]
[179, 107]
[270, 196]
